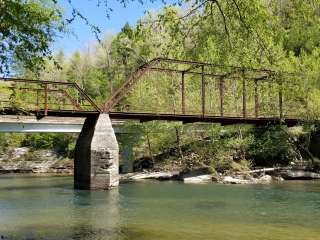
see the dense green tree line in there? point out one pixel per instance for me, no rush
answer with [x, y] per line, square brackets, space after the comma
[280, 35]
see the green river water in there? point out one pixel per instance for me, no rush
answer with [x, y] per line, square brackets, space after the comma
[49, 208]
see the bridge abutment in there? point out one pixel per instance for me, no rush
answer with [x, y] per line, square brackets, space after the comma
[97, 155]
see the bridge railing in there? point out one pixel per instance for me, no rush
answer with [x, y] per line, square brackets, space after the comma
[170, 86]
[43, 97]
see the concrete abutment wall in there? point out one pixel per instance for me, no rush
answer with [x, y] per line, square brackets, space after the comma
[97, 155]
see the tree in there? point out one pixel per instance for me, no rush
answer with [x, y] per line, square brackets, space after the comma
[26, 30]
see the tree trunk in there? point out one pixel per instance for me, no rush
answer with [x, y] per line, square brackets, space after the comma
[149, 148]
[178, 141]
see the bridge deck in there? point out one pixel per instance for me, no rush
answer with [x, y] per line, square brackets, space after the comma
[144, 117]
[50, 124]
[199, 118]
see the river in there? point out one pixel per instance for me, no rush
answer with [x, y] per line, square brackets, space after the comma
[49, 208]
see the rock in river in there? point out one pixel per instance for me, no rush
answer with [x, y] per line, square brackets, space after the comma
[265, 179]
[198, 179]
[299, 175]
[232, 180]
[149, 175]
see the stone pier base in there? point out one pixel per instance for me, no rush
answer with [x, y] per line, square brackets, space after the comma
[96, 155]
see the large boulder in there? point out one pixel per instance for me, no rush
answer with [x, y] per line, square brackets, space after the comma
[299, 175]
[150, 175]
[19, 152]
[265, 179]
[232, 180]
[198, 179]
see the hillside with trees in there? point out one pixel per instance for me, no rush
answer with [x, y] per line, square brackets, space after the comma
[279, 35]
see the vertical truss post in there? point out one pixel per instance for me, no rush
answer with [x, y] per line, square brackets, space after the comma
[37, 101]
[256, 99]
[244, 98]
[280, 100]
[203, 91]
[221, 91]
[45, 99]
[183, 103]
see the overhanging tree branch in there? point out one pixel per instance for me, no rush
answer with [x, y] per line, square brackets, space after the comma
[224, 21]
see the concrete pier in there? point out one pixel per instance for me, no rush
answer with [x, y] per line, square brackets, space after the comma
[97, 155]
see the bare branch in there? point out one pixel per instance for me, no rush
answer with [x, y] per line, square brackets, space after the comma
[259, 39]
[224, 21]
[195, 9]
[76, 13]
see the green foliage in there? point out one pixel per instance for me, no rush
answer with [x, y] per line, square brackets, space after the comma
[38, 141]
[271, 147]
[61, 143]
[26, 30]
[217, 148]
[282, 35]
[10, 140]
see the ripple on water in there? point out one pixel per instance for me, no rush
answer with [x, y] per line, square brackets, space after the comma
[48, 208]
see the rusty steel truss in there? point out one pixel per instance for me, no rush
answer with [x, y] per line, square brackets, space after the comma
[53, 98]
[204, 71]
[44, 97]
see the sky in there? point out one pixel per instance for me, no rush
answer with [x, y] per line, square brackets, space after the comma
[80, 34]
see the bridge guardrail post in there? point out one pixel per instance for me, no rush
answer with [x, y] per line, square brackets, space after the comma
[280, 100]
[45, 99]
[244, 98]
[203, 91]
[256, 99]
[183, 103]
[221, 90]
[37, 102]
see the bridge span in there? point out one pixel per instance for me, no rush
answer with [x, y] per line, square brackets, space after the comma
[162, 89]
[30, 124]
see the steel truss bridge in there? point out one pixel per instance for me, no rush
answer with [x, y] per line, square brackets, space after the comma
[172, 90]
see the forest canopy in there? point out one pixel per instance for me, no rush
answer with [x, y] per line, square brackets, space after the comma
[283, 35]
[268, 32]
[27, 28]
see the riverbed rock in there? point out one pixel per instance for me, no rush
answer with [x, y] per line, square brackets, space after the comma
[198, 179]
[232, 180]
[193, 173]
[23, 160]
[299, 175]
[277, 178]
[19, 152]
[149, 175]
[265, 179]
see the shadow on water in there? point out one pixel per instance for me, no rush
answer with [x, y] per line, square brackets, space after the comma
[80, 232]
[85, 232]
[97, 215]
[82, 198]
[35, 187]
[91, 215]
[210, 205]
[34, 182]
[31, 177]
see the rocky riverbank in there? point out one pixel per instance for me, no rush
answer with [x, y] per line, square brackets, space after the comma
[261, 177]
[25, 160]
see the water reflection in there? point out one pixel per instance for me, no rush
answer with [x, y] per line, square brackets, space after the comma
[97, 215]
[48, 208]
[153, 210]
